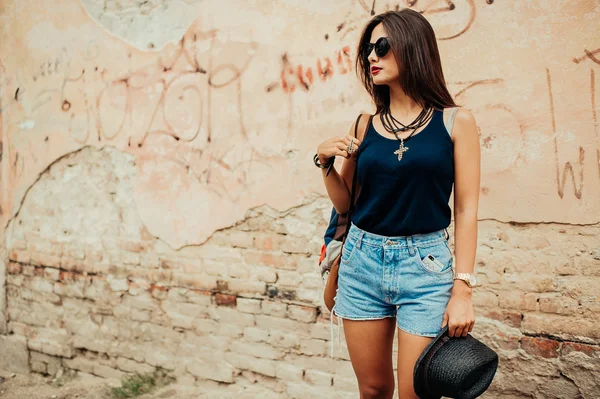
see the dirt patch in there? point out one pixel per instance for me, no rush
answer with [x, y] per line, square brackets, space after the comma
[86, 386]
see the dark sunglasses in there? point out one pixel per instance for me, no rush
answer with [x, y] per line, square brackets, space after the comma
[381, 46]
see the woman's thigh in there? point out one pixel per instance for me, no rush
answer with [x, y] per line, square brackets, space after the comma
[410, 347]
[370, 344]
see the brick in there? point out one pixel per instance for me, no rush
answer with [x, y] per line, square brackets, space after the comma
[108, 372]
[21, 256]
[117, 284]
[97, 289]
[204, 298]
[285, 325]
[248, 305]
[289, 278]
[267, 242]
[238, 271]
[529, 301]
[281, 339]
[50, 364]
[261, 366]
[55, 342]
[51, 273]
[312, 281]
[588, 350]
[313, 347]
[205, 326]
[143, 301]
[231, 316]
[220, 371]
[316, 377]
[276, 260]
[272, 308]
[183, 314]
[254, 334]
[43, 259]
[543, 347]
[507, 341]
[558, 304]
[289, 372]
[256, 349]
[160, 357]
[305, 314]
[199, 281]
[511, 318]
[40, 284]
[241, 239]
[13, 268]
[132, 366]
[568, 326]
[247, 287]
[225, 300]
[265, 274]
[320, 330]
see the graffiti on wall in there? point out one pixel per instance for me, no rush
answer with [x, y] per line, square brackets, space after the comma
[215, 122]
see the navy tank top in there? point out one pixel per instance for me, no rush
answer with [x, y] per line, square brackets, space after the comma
[402, 198]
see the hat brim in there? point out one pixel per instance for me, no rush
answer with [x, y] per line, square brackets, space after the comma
[419, 370]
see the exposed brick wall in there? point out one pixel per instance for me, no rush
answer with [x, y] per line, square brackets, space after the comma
[89, 289]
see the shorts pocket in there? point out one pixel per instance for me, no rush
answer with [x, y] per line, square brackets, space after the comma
[349, 249]
[435, 259]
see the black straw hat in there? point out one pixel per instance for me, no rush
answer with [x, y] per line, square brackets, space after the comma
[454, 367]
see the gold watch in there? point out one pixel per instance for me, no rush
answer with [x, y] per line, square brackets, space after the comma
[468, 278]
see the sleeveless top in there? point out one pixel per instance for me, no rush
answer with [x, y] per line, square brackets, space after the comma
[402, 198]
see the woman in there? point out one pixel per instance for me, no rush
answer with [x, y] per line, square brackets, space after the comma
[397, 269]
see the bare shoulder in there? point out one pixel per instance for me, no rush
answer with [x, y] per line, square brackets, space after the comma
[465, 124]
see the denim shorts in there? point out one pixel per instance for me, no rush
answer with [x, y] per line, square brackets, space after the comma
[407, 277]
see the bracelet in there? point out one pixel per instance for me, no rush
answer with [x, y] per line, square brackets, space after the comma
[320, 165]
[328, 165]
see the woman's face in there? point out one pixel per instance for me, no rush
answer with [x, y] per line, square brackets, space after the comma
[384, 69]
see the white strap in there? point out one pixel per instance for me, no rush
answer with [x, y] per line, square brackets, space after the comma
[450, 122]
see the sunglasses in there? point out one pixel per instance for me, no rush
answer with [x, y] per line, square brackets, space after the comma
[381, 46]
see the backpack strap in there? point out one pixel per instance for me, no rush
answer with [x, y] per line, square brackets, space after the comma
[450, 122]
[354, 177]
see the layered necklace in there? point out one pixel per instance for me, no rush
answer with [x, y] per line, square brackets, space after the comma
[393, 125]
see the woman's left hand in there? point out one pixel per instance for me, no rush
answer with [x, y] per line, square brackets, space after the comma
[459, 314]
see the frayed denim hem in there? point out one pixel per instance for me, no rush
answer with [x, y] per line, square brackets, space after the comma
[341, 325]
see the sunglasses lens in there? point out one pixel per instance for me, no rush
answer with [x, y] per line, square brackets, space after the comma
[382, 46]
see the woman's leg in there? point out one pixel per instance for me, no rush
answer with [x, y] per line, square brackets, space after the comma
[410, 348]
[370, 344]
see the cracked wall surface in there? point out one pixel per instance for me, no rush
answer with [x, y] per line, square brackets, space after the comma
[160, 208]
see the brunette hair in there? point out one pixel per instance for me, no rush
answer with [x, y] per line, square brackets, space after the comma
[413, 43]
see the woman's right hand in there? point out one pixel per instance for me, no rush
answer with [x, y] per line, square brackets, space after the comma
[337, 146]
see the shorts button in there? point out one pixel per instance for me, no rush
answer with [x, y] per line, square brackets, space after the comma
[388, 242]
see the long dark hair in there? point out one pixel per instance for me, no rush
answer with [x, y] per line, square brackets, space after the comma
[413, 43]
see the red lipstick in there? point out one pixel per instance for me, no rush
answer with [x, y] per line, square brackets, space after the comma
[375, 70]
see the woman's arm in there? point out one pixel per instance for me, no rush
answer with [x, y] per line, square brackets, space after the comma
[339, 185]
[466, 192]
[459, 314]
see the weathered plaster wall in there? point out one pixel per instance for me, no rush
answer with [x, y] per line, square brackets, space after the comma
[157, 188]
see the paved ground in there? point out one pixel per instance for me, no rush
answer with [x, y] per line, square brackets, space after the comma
[36, 386]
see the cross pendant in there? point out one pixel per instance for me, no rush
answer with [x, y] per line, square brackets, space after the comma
[400, 151]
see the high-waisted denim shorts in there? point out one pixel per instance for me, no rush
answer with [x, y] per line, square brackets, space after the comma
[407, 277]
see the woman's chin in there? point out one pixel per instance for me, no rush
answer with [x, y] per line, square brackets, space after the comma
[379, 82]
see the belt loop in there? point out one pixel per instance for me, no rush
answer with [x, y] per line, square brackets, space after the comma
[359, 239]
[446, 234]
[411, 245]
